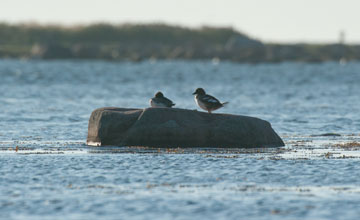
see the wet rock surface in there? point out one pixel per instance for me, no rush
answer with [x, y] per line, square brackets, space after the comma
[172, 127]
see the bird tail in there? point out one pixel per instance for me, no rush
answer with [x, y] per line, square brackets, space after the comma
[225, 103]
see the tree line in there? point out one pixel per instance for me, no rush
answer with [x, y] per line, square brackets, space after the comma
[137, 42]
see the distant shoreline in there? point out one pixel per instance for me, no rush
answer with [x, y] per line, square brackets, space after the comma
[137, 42]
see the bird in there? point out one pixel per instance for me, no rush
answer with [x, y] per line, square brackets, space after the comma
[207, 102]
[161, 101]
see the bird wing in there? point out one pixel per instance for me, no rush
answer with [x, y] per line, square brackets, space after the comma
[210, 99]
[168, 102]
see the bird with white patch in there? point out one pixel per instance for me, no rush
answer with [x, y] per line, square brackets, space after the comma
[161, 101]
[207, 102]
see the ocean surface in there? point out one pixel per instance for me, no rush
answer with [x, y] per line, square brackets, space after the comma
[48, 172]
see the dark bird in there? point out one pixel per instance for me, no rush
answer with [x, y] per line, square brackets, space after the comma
[207, 102]
[161, 101]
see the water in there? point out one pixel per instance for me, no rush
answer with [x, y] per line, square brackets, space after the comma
[44, 111]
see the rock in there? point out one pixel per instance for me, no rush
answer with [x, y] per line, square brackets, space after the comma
[326, 135]
[173, 127]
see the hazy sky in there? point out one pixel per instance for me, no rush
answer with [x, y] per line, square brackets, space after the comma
[268, 20]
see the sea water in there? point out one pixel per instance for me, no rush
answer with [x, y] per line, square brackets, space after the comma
[47, 171]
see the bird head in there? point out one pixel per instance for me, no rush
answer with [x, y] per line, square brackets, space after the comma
[199, 91]
[159, 95]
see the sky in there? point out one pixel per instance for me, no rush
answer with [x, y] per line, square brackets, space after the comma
[286, 21]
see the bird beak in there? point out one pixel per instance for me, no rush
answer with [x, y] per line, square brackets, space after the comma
[194, 93]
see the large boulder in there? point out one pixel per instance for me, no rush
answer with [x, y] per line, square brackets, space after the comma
[173, 127]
